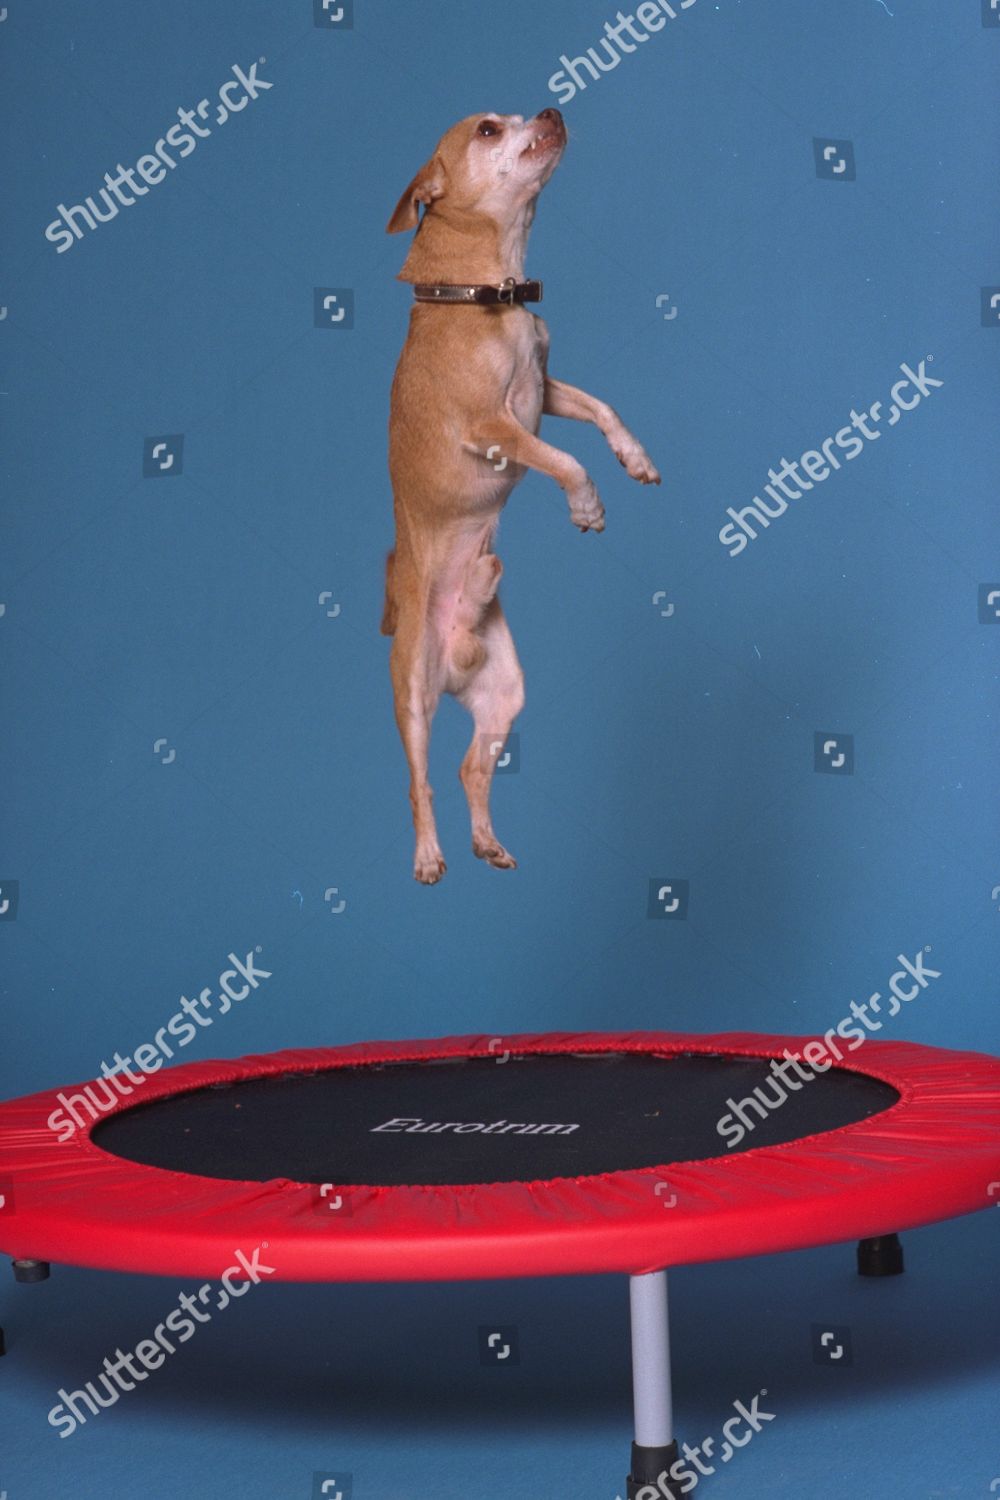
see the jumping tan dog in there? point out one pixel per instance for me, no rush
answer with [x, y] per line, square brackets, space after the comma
[467, 399]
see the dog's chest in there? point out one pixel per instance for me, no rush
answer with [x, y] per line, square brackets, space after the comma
[527, 346]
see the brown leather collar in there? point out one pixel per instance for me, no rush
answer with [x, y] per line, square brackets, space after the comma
[507, 294]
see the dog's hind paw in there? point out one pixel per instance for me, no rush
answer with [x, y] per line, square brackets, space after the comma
[494, 854]
[428, 868]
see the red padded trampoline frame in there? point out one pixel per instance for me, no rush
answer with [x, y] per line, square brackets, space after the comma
[933, 1155]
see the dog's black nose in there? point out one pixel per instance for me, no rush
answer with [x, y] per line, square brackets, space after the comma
[550, 114]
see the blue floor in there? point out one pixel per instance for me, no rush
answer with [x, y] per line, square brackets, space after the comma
[385, 1385]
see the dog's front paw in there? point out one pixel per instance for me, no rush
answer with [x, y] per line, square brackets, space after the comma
[585, 508]
[634, 459]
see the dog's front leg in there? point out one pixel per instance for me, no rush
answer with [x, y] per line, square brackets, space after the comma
[514, 442]
[562, 400]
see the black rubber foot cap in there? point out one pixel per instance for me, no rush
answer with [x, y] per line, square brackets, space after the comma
[882, 1256]
[651, 1474]
[31, 1270]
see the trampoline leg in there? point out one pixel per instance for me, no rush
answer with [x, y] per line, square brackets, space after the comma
[881, 1256]
[30, 1270]
[25, 1270]
[654, 1450]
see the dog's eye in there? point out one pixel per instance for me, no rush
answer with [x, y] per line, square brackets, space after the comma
[487, 127]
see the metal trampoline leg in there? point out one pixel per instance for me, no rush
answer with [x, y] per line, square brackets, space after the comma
[654, 1450]
[881, 1256]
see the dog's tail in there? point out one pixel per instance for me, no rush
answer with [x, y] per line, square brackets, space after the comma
[389, 610]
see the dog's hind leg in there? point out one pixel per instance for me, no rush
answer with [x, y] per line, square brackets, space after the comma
[417, 680]
[494, 696]
[389, 610]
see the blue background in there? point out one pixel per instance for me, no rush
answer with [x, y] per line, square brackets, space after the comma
[187, 608]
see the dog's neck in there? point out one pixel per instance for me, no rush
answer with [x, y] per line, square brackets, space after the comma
[455, 247]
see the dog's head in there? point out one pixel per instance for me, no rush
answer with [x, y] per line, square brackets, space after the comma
[487, 164]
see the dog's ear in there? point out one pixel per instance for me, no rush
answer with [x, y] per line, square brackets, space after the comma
[426, 187]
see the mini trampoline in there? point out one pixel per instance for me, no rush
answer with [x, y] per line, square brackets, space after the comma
[475, 1157]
